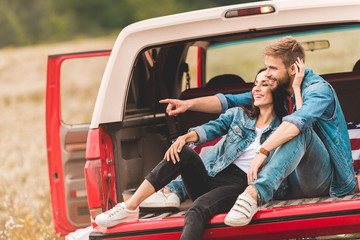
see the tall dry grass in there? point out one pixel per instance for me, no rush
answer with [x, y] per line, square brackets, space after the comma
[25, 209]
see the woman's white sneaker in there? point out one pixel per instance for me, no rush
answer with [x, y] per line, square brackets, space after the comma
[242, 212]
[161, 200]
[116, 215]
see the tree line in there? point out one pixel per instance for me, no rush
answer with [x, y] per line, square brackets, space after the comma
[25, 22]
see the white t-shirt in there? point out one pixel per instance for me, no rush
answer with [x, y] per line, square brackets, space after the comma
[245, 158]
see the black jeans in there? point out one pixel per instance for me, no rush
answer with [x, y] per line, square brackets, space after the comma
[210, 195]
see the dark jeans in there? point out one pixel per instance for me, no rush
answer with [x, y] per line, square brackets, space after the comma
[210, 195]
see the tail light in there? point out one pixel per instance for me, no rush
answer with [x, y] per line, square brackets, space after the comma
[99, 171]
[249, 11]
[94, 187]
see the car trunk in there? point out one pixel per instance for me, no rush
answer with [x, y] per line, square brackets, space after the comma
[146, 133]
[275, 220]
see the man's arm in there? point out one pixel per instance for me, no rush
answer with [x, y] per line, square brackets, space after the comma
[210, 104]
[284, 133]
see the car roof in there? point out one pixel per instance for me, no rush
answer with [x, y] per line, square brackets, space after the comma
[110, 103]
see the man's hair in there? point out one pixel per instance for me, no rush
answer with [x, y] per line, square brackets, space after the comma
[287, 49]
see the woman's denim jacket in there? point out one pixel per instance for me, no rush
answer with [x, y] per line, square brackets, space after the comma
[240, 133]
[320, 110]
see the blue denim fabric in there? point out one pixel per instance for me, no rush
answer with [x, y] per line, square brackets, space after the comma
[298, 160]
[178, 188]
[230, 100]
[240, 130]
[322, 111]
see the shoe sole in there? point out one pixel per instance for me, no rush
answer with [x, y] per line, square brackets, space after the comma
[157, 205]
[159, 209]
[234, 223]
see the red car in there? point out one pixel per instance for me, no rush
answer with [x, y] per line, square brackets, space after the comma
[94, 160]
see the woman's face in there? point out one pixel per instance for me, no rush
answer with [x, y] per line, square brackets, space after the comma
[261, 91]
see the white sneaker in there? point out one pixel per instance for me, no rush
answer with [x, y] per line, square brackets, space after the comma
[116, 215]
[161, 200]
[242, 212]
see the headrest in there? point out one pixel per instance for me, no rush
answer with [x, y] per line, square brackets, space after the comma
[224, 79]
[356, 67]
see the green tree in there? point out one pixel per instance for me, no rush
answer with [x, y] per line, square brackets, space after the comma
[34, 21]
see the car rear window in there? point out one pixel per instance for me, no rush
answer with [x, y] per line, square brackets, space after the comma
[244, 57]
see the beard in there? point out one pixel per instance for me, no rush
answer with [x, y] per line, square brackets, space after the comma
[283, 82]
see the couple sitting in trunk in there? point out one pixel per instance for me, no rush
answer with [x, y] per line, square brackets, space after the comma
[271, 150]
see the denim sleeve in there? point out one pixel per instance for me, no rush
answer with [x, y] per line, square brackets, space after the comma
[317, 99]
[216, 128]
[230, 100]
[201, 134]
[177, 187]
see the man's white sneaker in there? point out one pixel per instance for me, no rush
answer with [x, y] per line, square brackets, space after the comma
[161, 200]
[242, 212]
[116, 215]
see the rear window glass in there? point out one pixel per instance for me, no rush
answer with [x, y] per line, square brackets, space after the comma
[80, 82]
[244, 58]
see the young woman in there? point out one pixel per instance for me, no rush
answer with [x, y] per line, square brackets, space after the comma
[214, 182]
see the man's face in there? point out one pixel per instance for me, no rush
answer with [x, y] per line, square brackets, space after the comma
[277, 72]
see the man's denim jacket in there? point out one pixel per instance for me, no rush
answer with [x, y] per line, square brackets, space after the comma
[240, 133]
[320, 110]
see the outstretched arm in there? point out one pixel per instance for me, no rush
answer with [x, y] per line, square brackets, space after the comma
[210, 104]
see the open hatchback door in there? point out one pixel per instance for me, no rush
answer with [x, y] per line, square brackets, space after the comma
[72, 84]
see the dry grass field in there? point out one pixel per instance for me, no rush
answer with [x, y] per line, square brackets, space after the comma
[25, 211]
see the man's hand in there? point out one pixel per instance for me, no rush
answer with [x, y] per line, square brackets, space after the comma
[299, 77]
[208, 104]
[175, 106]
[256, 165]
[299, 74]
